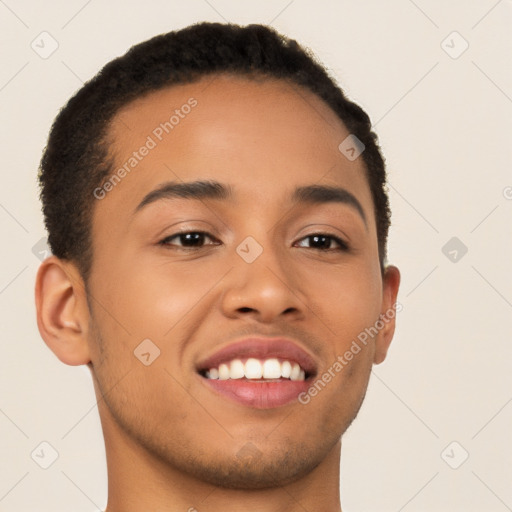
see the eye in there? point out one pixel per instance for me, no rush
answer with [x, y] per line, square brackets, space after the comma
[323, 242]
[188, 239]
[197, 239]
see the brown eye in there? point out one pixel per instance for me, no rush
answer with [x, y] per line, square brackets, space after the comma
[190, 239]
[324, 242]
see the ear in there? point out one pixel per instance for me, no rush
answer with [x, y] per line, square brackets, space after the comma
[390, 285]
[62, 310]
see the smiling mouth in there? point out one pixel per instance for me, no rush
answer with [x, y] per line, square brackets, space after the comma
[261, 373]
[257, 370]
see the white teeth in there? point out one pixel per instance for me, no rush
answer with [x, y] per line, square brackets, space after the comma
[213, 373]
[253, 369]
[286, 369]
[271, 369]
[223, 372]
[256, 369]
[295, 374]
[236, 370]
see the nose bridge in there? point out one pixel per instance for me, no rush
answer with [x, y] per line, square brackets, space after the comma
[262, 246]
[263, 256]
[263, 280]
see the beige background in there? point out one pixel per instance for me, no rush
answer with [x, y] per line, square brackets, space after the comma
[445, 128]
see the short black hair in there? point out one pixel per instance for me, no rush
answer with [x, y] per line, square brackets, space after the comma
[76, 159]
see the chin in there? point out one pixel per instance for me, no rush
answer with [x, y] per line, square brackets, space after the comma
[252, 469]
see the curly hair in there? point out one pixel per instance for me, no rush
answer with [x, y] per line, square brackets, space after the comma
[76, 158]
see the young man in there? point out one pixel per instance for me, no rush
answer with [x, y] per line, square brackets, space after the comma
[218, 220]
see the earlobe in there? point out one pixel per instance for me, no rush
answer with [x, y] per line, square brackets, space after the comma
[62, 312]
[391, 283]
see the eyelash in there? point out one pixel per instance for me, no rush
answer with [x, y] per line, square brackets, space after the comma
[343, 246]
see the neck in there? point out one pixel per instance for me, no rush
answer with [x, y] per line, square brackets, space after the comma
[138, 480]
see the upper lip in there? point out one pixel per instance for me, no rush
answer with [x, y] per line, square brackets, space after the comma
[261, 348]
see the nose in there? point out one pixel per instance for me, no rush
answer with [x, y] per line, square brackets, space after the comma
[266, 289]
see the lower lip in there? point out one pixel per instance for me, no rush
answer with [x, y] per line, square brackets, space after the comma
[259, 395]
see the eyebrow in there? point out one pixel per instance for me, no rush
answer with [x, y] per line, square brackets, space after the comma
[208, 189]
[320, 194]
[187, 190]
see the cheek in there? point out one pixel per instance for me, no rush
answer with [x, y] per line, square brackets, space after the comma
[348, 304]
[150, 298]
[171, 299]
[347, 301]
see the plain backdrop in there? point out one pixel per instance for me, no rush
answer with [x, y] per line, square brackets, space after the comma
[434, 433]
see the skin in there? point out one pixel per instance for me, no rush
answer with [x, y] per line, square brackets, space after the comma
[172, 444]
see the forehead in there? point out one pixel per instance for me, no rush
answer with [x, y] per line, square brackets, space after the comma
[262, 137]
[233, 94]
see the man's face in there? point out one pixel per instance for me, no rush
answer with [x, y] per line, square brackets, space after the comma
[198, 294]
